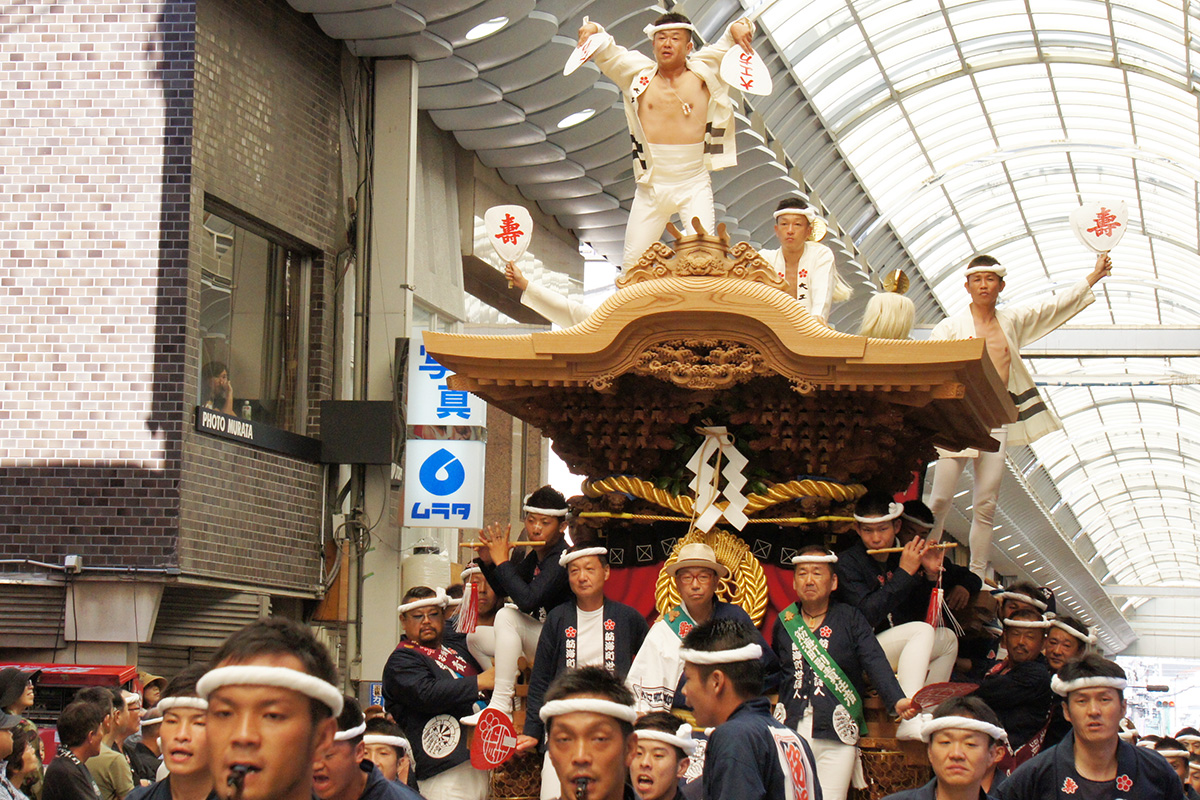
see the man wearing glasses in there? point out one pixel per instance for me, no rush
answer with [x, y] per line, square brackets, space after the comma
[656, 675]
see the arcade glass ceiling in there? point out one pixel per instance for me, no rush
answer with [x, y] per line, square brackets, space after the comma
[977, 127]
[927, 132]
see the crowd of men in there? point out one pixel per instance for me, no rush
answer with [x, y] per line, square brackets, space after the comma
[690, 695]
[621, 709]
[264, 734]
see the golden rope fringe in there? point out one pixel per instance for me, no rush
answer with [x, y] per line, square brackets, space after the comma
[643, 490]
[794, 490]
[746, 585]
[778, 493]
[665, 518]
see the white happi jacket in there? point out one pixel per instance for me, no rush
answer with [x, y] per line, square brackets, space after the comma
[1023, 324]
[656, 670]
[632, 72]
[815, 277]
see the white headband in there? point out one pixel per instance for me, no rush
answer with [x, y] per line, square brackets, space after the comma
[813, 558]
[545, 512]
[568, 557]
[681, 738]
[439, 599]
[750, 652]
[1188, 738]
[167, 703]
[963, 724]
[918, 522]
[467, 573]
[894, 510]
[1146, 743]
[1026, 623]
[1040, 605]
[1063, 688]
[810, 213]
[650, 30]
[595, 705]
[390, 741]
[151, 718]
[345, 736]
[999, 271]
[1172, 753]
[1086, 638]
[282, 677]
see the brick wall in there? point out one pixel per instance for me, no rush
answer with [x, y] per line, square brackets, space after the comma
[118, 119]
[266, 143]
[95, 109]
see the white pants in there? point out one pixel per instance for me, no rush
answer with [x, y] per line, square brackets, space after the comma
[989, 470]
[463, 782]
[482, 644]
[920, 654]
[680, 185]
[516, 635]
[834, 760]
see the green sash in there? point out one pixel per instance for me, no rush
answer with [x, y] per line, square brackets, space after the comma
[677, 617]
[825, 667]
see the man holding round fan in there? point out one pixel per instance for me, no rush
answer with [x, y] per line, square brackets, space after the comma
[680, 117]
[1005, 331]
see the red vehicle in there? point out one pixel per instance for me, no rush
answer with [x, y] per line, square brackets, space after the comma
[57, 684]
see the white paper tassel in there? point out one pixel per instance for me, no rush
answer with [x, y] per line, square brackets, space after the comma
[706, 484]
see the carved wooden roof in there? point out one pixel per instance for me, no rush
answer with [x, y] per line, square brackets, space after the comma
[669, 348]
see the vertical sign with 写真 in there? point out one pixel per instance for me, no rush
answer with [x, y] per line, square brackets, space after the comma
[443, 486]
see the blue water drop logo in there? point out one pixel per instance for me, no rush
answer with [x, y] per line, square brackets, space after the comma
[442, 473]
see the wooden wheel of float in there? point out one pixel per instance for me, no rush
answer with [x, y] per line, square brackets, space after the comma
[746, 585]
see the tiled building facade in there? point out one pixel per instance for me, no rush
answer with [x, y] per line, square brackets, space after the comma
[93, 277]
[125, 126]
[267, 111]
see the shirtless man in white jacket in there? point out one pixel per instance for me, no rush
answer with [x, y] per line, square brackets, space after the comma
[1006, 331]
[680, 116]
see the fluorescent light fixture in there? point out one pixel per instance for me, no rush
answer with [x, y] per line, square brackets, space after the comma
[486, 28]
[576, 118]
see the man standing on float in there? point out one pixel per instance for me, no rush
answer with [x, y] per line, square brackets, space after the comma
[802, 262]
[1006, 331]
[680, 116]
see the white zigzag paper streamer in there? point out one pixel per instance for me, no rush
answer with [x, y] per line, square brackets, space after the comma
[707, 483]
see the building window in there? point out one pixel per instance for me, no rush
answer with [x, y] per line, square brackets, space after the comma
[427, 319]
[253, 323]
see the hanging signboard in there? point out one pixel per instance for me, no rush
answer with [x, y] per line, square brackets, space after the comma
[443, 484]
[431, 401]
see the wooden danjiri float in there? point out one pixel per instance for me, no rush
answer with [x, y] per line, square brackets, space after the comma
[701, 401]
